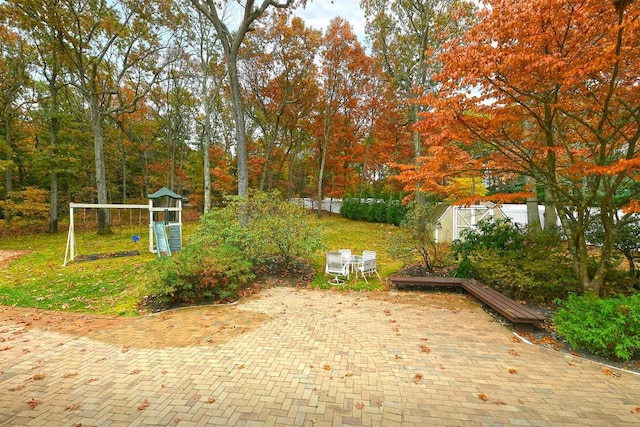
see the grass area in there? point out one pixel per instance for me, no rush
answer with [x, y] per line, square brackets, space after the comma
[115, 285]
[342, 233]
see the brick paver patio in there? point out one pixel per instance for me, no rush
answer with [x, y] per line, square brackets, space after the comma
[322, 359]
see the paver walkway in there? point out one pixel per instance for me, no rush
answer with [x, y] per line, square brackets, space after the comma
[321, 359]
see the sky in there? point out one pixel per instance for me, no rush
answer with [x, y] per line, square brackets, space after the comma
[318, 13]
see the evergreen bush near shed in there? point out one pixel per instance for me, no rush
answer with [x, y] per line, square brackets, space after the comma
[373, 210]
[606, 327]
[521, 265]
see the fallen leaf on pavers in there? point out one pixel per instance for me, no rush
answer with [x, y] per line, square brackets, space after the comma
[483, 396]
[571, 364]
[38, 376]
[126, 348]
[636, 411]
[33, 402]
[512, 371]
[241, 367]
[26, 351]
[396, 329]
[327, 367]
[398, 357]
[379, 402]
[609, 372]
[359, 405]
[417, 377]
[516, 339]
[392, 321]
[145, 404]
[91, 380]
[17, 388]
[6, 348]
[499, 402]
[135, 372]
[210, 400]
[424, 339]
[70, 375]
[348, 374]
[513, 353]
[425, 349]
[72, 407]
[164, 372]
[521, 401]
[387, 312]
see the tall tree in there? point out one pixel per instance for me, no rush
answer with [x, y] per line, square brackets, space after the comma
[345, 70]
[106, 43]
[555, 98]
[406, 37]
[231, 42]
[32, 19]
[211, 74]
[279, 69]
[14, 67]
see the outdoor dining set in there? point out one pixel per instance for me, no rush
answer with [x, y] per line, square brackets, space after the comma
[340, 264]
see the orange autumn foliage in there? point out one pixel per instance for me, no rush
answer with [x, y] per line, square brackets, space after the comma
[546, 90]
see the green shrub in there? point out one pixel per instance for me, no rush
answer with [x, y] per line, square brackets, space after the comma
[416, 237]
[263, 227]
[605, 327]
[373, 210]
[396, 212]
[31, 203]
[200, 273]
[233, 243]
[519, 264]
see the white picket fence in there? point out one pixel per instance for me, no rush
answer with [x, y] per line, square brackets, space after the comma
[328, 204]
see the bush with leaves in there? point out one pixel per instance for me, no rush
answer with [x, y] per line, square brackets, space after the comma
[264, 227]
[626, 240]
[417, 235]
[204, 273]
[531, 266]
[31, 203]
[373, 210]
[606, 327]
[233, 243]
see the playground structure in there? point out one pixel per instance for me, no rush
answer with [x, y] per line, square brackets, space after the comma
[165, 236]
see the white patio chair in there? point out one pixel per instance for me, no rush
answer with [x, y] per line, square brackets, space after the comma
[337, 267]
[369, 264]
[346, 254]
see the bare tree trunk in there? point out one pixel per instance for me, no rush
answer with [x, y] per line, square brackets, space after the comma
[241, 137]
[323, 158]
[101, 180]
[550, 214]
[533, 215]
[8, 175]
[53, 204]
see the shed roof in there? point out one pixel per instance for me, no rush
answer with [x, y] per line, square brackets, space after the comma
[164, 192]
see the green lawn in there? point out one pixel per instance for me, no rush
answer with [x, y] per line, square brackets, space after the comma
[116, 285]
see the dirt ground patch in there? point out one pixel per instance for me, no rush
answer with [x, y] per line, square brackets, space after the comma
[177, 328]
[9, 255]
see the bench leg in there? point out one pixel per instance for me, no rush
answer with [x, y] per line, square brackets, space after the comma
[524, 327]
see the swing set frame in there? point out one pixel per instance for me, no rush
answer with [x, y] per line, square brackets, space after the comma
[70, 251]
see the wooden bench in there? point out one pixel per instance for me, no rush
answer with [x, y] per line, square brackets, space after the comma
[522, 317]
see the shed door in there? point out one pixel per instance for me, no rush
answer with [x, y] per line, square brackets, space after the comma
[467, 217]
